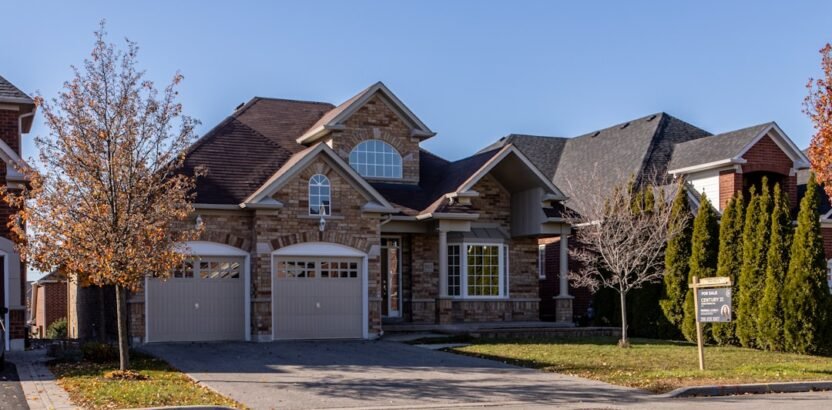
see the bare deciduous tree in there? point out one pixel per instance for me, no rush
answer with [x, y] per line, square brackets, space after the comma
[105, 205]
[621, 232]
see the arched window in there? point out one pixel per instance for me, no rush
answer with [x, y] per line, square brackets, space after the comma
[376, 159]
[319, 195]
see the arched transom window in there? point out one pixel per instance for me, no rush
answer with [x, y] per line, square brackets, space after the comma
[376, 159]
[319, 195]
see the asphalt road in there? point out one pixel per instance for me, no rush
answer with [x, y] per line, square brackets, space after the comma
[11, 394]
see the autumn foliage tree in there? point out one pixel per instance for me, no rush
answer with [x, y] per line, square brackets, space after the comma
[818, 106]
[107, 201]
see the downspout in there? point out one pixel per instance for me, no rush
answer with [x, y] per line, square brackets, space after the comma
[20, 131]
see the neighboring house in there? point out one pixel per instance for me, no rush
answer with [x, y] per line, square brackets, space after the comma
[49, 302]
[659, 145]
[324, 221]
[17, 111]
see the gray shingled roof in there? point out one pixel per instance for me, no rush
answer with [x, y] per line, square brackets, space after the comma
[715, 148]
[612, 154]
[10, 93]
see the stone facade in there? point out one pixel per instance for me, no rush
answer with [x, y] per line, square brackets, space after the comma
[522, 303]
[377, 120]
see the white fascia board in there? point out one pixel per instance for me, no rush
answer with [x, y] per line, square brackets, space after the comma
[223, 207]
[375, 207]
[448, 215]
[800, 159]
[706, 166]
[421, 129]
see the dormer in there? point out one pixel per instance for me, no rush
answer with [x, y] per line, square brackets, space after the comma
[375, 133]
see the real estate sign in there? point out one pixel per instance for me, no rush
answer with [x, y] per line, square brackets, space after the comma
[714, 304]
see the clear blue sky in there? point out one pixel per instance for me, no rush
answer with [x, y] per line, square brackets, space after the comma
[472, 70]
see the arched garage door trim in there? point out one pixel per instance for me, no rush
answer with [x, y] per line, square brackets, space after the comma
[205, 248]
[326, 249]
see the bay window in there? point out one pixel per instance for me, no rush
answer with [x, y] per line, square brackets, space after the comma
[477, 270]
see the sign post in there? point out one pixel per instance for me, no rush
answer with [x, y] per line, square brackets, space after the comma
[712, 303]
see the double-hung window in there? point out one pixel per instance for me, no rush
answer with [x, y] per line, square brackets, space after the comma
[478, 270]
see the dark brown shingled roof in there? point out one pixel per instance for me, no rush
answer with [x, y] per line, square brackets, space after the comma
[437, 177]
[243, 151]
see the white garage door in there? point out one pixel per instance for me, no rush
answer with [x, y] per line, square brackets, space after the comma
[203, 301]
[317, 297]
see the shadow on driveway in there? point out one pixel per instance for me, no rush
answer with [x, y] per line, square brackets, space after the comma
[316, 374]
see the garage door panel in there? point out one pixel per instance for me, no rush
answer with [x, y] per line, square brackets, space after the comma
[195, 309]
[323, 302]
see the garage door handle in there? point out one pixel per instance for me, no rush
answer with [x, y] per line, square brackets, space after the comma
[196, 305]
[318, 305]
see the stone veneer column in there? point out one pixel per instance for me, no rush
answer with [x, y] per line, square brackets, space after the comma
[443, 302]
[563, 301]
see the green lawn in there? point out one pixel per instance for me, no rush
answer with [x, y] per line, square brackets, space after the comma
[654, 365]
[165, 386]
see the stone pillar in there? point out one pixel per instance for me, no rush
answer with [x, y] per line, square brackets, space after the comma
[443, 263]
[444, 305]
[564, 266]
[563, 301]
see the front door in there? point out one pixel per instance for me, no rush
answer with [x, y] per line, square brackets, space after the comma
[391, 277]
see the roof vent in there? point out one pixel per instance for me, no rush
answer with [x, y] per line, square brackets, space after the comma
[625, 125]
[596, 134]
[239, 106]
[652, 117]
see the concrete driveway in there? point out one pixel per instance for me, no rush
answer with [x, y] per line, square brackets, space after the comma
[342, 374]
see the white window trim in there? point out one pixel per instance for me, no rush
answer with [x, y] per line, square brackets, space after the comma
[326, 211]
[503, 269]
[541, 262]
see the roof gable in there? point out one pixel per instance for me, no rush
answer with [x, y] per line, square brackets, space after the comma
[728, 148]
[335, 118]
[262, 197]
[11, 94]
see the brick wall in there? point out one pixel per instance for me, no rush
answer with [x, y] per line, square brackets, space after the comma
[376, 120]
[233, 228]
[730, 182]
[827, 242]
[550, 287]
[56, 302]
[10, 135]
[494, 207]
[766, 156]
[292, 224]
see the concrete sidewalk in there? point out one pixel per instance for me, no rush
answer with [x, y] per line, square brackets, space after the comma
[39, 386]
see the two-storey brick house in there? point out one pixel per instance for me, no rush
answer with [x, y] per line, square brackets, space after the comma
[17, 111]
[325, 221]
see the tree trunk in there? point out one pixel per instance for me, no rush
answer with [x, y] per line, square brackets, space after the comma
[625, 341]
[121, 316]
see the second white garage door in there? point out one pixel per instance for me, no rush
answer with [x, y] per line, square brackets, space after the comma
[317, 297]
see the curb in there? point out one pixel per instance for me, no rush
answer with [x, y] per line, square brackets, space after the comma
[757, 388]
